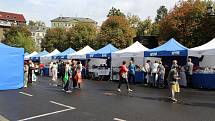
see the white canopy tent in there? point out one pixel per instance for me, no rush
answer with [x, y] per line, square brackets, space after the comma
[135, 51]
[47, 58]
[81, 54]
[207, 51]
[30, 55]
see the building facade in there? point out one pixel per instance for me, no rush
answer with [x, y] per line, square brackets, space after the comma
[38, 32]
[10, 19]
[69, 22]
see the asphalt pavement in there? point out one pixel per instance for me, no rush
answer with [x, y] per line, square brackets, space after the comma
[99, 101]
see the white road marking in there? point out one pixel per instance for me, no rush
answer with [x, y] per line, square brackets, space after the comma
[51, 113]
[62, 105]
[2, 118]
[118, 119]
[46, 114]
[25, 94]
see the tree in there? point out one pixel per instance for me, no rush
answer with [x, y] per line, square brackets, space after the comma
[185, 22]
[19, 37]
[82, 34]
[161, 13]
[144, 27]
[115, 12]
[116, 30]
[133, 20]
[55, 39]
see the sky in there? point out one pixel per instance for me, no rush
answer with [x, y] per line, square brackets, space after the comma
[46, 10]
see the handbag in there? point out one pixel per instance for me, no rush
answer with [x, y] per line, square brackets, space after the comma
[124, 75]
[176, 87]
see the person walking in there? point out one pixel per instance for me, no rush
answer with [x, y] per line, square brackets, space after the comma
[54, 74]
[66, 79]
[78, 76]
[123, 76]
[182, 75]
[189, 72]
[148, 71]
[172, 79]
[131, 72]
[26, 69]
[73, 70]
[41, 69]
[30, 71]
[154, 71]
[161, 74]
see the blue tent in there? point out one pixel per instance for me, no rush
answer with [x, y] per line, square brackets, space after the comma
[64, 54]
[170, 48]
[37, 57]
[12, 64]
[104, 52]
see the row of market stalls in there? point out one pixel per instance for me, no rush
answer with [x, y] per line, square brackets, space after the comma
[108, 58]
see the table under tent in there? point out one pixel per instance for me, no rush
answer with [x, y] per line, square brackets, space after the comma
[12, 64]
[205, 74]
[103, 58]
[134, 52]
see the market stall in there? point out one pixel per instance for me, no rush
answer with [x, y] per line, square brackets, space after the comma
[104, 53]
[204, 75]
[46, 59]
[12, 64]
[135, 51]
[64, 54]
[37, 56]
[81, 54]
[169, 51]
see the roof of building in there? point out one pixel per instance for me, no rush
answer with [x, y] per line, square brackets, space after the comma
[78, 19]
[12, 17]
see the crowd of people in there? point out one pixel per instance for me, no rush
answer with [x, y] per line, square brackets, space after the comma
[70, 75]
[155, 76]
[68, 72]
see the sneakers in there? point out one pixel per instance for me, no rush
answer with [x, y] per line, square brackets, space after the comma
[130, 90]
[118, 90]
[69, 91]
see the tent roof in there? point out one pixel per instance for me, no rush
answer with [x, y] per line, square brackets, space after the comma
[136, 47]
[103, 52]
[85, 50]
[166, 49]
[205, 49]
[26, 54]
[30, 55]
[66, 52]
[206, 46]
[55, 52]
[44, 52]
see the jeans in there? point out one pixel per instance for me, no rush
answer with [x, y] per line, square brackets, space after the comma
[123, 80]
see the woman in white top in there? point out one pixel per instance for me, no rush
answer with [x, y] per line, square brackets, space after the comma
[54, 74]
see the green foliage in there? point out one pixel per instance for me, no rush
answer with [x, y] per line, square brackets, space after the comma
[115, 12]
[187, 23]
[77, 37]
[55, 38]
[144, 27]
[161, 13]
[82, 34]
[19, 37]
[116, 30]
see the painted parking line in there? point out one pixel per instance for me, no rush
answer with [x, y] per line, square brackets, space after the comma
[26, 94]
[46, 114]
[51, 113]
[2, 118]
[118, 119]
[62, 105]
